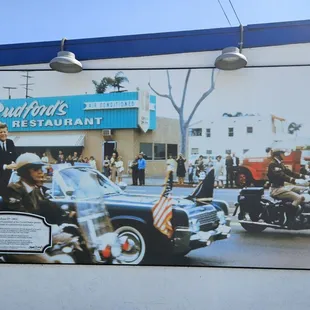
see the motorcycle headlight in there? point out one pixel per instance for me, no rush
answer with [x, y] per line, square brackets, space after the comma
[221, 216]
[194, 225]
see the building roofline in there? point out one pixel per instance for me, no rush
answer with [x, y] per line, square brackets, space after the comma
[256, 35]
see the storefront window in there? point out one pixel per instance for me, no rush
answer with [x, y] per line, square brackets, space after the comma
[147, 149]
[172, 149]
[159, 151]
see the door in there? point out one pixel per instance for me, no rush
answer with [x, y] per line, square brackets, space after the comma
[107, 148]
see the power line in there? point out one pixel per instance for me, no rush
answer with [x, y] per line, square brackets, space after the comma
[224, 12]
[235, 12]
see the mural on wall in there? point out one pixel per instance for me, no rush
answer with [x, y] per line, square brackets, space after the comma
[234, 191]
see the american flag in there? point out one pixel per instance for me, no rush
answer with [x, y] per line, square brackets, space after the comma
[162, 210]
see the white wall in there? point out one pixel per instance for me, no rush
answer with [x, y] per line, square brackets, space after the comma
[257, 141]
[159, 288]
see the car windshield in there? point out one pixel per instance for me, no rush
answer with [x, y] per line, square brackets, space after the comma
[88, 184]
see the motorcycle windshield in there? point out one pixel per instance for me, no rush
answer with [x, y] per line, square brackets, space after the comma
[87, 189]
[94, 219]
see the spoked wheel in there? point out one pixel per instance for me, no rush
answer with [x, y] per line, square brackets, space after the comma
[138, 251]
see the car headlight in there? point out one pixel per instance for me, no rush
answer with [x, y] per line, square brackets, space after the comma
[194, 225]
[221, 217]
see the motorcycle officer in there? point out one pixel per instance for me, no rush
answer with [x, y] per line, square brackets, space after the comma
[278, 174]
[29, 195]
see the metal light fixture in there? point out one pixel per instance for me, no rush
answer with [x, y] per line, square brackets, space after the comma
[231, 57]
[65, 61]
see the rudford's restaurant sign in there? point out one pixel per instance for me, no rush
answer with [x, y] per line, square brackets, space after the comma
[73, 112]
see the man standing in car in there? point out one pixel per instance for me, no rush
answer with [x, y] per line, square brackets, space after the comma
[7, 158]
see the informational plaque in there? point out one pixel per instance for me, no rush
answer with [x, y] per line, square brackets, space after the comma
[24, 233]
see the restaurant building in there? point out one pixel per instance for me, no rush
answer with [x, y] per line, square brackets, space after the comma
[92, 125]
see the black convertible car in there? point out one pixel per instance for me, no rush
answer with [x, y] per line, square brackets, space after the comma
[197, 220]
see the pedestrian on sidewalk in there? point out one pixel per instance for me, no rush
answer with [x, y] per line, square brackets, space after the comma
[190, 173]
[181, 170]
[219, 172]
[113, 167]
[141, 169]
[106, 167]
[170, 169]
[229, 171]
[134, 170]
[119, 168]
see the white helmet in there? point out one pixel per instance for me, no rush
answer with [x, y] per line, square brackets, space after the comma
[28, 160]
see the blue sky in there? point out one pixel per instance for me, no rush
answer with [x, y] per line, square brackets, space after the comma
[35, 20]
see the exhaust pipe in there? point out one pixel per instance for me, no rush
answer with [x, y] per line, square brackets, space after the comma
[260, 224]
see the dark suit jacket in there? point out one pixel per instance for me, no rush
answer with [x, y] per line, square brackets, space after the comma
[6, 158]
[230, 162]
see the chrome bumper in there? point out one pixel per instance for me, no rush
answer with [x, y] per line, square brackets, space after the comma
[185, 239]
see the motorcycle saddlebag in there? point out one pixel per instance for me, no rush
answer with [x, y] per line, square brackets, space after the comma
[249, 199]
[252, 191]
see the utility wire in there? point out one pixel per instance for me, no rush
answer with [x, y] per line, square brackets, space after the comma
[235, 12]
[224, 12]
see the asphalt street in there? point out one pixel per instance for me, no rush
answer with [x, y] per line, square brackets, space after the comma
[269, 249]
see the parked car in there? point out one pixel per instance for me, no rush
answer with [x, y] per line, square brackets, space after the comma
[196, 224]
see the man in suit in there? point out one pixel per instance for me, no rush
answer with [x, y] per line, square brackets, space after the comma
[235, 161]
[7, 158]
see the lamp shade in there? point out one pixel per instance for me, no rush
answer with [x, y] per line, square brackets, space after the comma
[230, 59]
[65, 62]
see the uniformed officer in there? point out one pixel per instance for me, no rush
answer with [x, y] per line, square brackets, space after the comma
[279, 174]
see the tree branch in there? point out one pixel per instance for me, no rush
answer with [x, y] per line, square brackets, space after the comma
[202, 98]
[170, 93]
[157, 93]
[169, 96]
[185, 88]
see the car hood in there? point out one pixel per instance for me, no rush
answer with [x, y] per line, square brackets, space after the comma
[147, 200]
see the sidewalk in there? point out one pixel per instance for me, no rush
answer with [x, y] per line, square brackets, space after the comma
[159, 181]
[156, 181]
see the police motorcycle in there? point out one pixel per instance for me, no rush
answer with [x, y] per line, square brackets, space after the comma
[258, 211]
[85, 235]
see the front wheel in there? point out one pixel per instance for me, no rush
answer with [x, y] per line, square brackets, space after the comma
[138, 251]
[253, 228]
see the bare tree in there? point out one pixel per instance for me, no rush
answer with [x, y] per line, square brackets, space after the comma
[184, 124]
